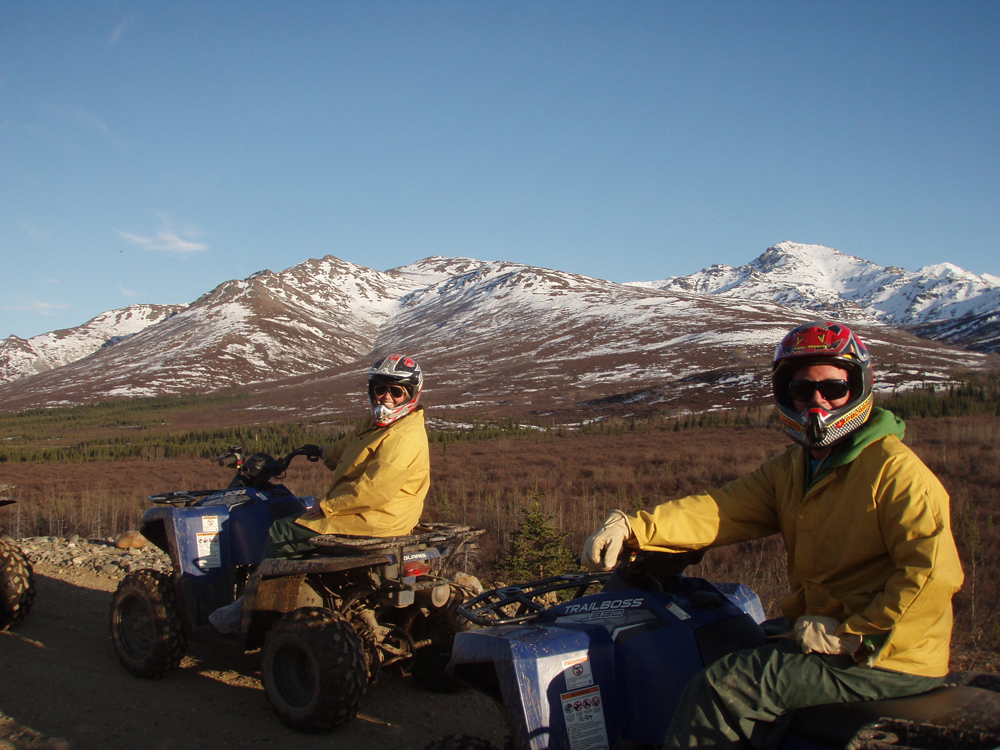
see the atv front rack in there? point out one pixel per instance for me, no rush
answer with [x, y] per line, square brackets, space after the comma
[183, 498]
[510, 605]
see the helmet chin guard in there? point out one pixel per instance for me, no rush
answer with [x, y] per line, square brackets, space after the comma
[819, 428]
[823, 343]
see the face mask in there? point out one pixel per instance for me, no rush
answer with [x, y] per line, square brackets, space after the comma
[383, 416]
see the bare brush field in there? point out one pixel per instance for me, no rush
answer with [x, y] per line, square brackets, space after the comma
[576, 477]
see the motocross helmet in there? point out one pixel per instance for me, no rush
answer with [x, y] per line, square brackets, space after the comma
[823, 343]
[396, 369]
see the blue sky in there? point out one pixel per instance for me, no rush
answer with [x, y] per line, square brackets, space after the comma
[152, 150]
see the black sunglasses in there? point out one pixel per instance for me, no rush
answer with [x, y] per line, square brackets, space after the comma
[396, 391]
[831, 390]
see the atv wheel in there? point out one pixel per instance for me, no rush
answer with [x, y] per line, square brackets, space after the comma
[146, 626]
[314, 670]
[439, 625]
[17, 586]
[465, 742]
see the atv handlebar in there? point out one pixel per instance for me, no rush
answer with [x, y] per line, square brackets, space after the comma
[235, 458]
[255, 471]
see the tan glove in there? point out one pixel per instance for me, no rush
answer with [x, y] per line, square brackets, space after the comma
[601, 550]
[816, 634]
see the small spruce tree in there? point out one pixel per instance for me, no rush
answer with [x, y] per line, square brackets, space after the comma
[537, 549]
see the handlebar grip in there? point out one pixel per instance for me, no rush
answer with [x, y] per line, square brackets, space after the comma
[312, 452]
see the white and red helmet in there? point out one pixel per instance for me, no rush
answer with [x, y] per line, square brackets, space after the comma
[823, 343]
[396, 369]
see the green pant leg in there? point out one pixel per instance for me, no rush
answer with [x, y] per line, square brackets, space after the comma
[285, 538]
[744, 699]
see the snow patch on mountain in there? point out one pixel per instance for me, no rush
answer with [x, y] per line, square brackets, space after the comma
[23, 357]
[825, 282]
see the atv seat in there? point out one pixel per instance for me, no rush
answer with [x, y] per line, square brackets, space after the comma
[955, 712]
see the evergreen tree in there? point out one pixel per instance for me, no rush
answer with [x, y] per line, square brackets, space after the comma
[537, 549]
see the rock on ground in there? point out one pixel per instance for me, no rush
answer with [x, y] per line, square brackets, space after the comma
[98, 556]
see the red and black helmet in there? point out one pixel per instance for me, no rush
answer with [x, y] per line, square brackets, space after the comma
[823, 343]
[396, 369]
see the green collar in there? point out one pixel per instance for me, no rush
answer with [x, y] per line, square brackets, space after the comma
[880, 424]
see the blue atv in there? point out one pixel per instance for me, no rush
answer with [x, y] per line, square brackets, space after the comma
[326, 623]
[598, 661]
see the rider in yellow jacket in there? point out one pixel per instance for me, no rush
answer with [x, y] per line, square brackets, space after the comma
[381, 477]
[381, 472]
[891, 577]
[872, 564]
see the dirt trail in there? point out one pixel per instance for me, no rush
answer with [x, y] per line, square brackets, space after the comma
[62, 688]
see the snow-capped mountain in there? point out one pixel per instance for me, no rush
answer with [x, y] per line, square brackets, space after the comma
[268, 326]
[490, 335]
[20, 358]
[826, 282]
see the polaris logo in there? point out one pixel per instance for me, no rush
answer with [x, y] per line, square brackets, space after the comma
[573, 609]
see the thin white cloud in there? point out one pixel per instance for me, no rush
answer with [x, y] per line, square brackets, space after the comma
[34, 232]
[95, 124]
[127, 292]
[37, 306]
[118, 31]
[89, 121]
[183, 241]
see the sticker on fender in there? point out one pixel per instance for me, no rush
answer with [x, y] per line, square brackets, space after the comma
[583, 711]
[577, 672]
[208, 550]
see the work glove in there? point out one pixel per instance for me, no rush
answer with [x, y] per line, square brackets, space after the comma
[601, 550]
[816, 634]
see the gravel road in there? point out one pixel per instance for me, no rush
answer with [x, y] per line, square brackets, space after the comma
[62, 688]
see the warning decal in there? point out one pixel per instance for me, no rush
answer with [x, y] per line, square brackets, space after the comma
[583, 711]
[209, 555]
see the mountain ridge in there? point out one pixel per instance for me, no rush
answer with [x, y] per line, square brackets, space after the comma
[497, 335]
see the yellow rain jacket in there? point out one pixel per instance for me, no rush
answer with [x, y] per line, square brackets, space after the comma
[381, 477]
[868, 539]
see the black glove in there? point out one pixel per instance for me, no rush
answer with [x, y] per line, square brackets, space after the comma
[312, 452]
